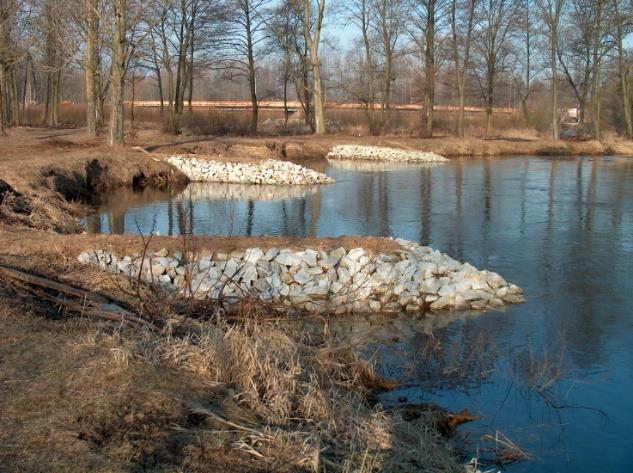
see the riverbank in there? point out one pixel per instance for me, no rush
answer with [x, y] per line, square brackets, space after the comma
[60, 169]
[80, 395]
[115, 399]
[123, 400]
[298, 148]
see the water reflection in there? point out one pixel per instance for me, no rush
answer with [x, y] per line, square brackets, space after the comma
[560, 228]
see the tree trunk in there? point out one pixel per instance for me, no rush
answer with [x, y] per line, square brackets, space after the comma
[386, 99]
[525, 111]
[254, 106]
[490, 89]
[312, 41]
[460, 69]
[133, 99]
[192, 32]
[3, 102]
[16, 118]
[308, 118]
[286, 78]
[595, 82]
[160, 94]
[429, 66]
[252, 79]
[51, 108]
[582, 115]
[101, 98]
[117, 73]
[25, 87]
[460, 112]
[90, 66]
[624, 90]
[623, 69]
[371, 116]
[319, 106]
[52, 68]
[554, 65]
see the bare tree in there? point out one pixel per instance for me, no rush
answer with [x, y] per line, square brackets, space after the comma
[462, 18]
[496, 19]
[527, 49]
[90, 64]
[600, 47]
[249, 18]
[424, 27]
[551, 12]
[389, 26]
[59, 49]
[312, 21]
[381, 23]
[576, 58]
[361, 14]
[126, 37]
[171, 32]
[622, 27]
[10, 56]
[285, 26]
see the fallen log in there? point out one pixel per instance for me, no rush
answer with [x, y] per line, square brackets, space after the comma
[73, 299]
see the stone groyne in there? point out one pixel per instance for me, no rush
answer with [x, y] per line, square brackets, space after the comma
[413, 279]
[379, 153]
[265, 172]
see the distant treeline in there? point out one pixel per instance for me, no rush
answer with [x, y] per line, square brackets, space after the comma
[540, 56]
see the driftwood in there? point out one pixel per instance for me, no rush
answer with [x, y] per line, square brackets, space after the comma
[85, 303]
[146, 153]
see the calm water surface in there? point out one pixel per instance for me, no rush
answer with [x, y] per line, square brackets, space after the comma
[554, 374]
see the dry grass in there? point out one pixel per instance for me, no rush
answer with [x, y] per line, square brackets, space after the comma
[241, 396]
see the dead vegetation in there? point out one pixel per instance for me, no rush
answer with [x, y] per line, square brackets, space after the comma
[199, 391]
[242, 396]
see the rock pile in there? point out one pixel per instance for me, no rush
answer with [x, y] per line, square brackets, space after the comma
[378, 153]
[266, 172]
[339, 281]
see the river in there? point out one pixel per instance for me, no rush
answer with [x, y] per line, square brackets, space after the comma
[554, 374]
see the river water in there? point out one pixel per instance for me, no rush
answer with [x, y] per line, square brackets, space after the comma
[554, 374]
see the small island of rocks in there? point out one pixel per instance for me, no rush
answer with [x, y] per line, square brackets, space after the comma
[270, 171]
[415, 278]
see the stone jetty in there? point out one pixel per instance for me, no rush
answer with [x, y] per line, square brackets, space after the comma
[265, 172]
[379, 153]
[413, 279]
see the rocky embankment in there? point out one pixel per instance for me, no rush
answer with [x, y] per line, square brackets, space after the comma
[379, 153]
[413, 279]
[265, 172]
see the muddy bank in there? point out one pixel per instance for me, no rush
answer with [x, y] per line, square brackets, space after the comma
[318, 147]
[51, 192]
[307, 148]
